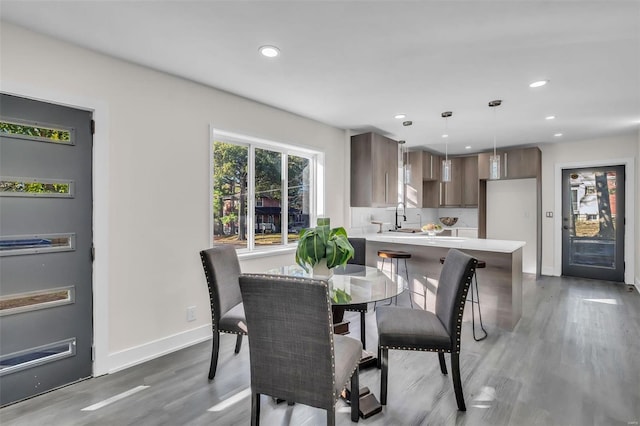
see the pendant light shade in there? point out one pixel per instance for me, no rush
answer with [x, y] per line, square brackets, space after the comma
[494, 160]
[445, 175]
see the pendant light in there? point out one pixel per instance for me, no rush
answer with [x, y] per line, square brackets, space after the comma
[445, 176]
[494, 160]
[403, 170]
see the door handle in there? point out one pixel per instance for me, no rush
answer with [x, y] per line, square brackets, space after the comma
[567, 227]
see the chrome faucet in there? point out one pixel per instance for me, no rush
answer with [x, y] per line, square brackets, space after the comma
[404, 215]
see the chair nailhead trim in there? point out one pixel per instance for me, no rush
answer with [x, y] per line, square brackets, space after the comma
[402, 348]
[336, 394]
[465, 289]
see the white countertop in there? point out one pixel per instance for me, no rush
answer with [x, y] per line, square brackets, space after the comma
[481, 244]
[459, 227]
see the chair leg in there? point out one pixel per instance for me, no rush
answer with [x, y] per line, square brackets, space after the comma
[238, 343]
[382, 269]
[355, 395]
[214, 354]
[475, 301]
[406, 270]
[457, 383]
[378, 362]
[255, 409]
[331, 416]
[363, 331]
[384, 360]
[443, 366]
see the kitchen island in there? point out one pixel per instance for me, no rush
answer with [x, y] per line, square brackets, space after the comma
[500, 283]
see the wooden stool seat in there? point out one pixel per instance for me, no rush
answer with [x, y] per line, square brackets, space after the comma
[475, 300]
[394, 254]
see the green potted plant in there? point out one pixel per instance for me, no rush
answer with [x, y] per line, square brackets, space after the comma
[323, 248]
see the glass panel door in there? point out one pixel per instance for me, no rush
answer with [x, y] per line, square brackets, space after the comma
[593, 223]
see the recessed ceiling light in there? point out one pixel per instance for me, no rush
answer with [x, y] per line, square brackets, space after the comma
[445, 136]
[400, 116]
[539, 83]
[550, 117]
[467, 147]
[557, 135]
[269, 51]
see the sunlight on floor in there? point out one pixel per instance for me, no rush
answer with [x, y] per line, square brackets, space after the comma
[231, 400]
[485, 398]
[605, 301]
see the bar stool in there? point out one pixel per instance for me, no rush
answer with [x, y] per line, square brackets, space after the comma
[475, 301]
[397, 255]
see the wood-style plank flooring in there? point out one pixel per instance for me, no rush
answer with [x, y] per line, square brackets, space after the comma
[573, 359]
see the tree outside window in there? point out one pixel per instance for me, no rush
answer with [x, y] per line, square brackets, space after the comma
[231, 166]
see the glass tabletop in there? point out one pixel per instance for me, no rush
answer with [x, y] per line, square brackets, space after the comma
[353, 284]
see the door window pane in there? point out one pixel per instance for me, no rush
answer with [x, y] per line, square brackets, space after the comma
[34, 131]
[16, 303]
[34, 187]
[230, 173]
[268, 196]
[299, 195]
[35, 244]
[593, 201]
[37, 356]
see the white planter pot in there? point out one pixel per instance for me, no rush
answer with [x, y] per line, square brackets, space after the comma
[321, 271]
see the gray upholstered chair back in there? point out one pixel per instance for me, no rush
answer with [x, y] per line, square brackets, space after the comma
[222, 270]
[453, 285]
[360, 251]
[290, 344]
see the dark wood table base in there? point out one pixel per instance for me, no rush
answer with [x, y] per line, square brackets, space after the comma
[369, 405]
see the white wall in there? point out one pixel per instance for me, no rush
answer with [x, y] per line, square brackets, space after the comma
[512, 215]
[153, 129]
[637, 218]
[613, 150]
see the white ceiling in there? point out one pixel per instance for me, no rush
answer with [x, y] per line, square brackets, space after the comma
[355, 64]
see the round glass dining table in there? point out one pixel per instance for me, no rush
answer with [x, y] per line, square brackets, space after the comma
[353, 284]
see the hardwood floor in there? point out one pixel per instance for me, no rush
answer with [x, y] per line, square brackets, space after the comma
[573, 359]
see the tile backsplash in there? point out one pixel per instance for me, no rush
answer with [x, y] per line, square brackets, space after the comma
[361, 218]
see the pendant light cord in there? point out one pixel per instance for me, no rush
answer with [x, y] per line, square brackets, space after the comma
[494, 130]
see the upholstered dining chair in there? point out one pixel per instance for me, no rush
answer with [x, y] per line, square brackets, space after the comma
[359, 258]
[222, 269]
[419, 330]
[294, 355]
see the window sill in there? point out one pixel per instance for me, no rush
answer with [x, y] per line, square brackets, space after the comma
[267, 252]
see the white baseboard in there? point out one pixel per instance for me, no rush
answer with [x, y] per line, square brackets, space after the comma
[157, 348]
[548, 271]
[638, 284]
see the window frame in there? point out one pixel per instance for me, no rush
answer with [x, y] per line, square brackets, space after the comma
[316, 186]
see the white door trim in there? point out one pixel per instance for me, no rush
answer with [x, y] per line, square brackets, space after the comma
[100, 167]
[629, 211]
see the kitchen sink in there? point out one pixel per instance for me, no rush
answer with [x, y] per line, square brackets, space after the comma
[407, 230]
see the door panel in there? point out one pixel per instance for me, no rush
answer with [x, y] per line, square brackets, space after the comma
[593, 223]
[48, 343]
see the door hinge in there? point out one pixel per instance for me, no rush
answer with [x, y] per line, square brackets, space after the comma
[93, 353]
[93, 253]
[93, 127]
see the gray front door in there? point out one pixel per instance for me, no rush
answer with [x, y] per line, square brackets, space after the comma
[593, 223]
[45, 247]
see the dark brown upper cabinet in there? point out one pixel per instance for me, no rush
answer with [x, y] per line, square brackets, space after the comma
[462, 190]
[374, 171]
[518, 163]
